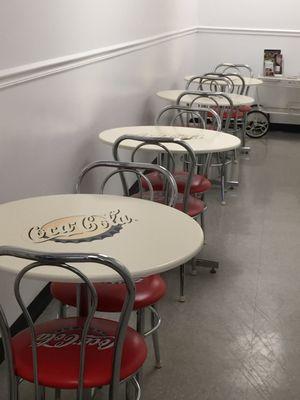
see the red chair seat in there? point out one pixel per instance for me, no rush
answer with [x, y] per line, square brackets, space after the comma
[199, 183]
[195, 206]
[59, 352]
[239, 113]
[245, 109]
[234, 114]
[112, 295]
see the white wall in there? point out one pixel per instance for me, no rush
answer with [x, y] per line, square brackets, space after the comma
[38, 30]
[241, 47]
[267, 14]
[248, 48]
[49, 126]
[238, 32]
[250, 27]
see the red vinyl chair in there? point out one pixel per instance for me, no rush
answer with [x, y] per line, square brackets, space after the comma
[202, 118]
[238, 117]
[210, 82]
[229, 82]
[228, 78]
[149, 290]
[83, 353]
[191, 205]
[223, 106]
[186, 203]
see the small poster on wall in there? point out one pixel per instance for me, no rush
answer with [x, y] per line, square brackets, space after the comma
[272, 62]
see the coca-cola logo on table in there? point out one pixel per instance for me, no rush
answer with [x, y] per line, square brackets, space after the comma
[80, 228]
[72, 337]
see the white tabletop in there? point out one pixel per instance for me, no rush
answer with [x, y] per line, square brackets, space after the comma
[201, 140]
[248, 81]
[237, 99]
[147, 237]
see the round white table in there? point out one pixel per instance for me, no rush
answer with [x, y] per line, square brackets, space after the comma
[248, 81]
[201, 140]
[145, 236]
[238, 100]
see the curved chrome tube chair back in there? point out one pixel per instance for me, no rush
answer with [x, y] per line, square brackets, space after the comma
[236, 68]
[238, 81]
[219, 82]
[139, 170]
[224, 110]
[63, 260]
[197, 117]
[160, 143]
[213, 82]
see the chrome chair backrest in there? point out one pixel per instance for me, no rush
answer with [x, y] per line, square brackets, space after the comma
[62, 260]
[213, 82]
[242, 69]
[139, 170]
[228, 82]
[238, 82]
[200, 117]
[220, 101]
[160, 144]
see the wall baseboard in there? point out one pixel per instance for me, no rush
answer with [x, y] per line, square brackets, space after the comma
[290, 128]
[36, 308]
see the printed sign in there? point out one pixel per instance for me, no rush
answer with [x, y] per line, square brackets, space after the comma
[80, 228]
[72, 337]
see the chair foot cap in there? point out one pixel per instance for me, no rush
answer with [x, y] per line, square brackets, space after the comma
[158, 365]
[182, 299]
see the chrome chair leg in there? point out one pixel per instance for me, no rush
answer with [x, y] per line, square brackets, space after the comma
[140, 321]
[128, 394]
[42, 393]
[182, 279]
[140, 327]
[202, 215]
[88, 394]
[194, 267]
[202, 223]
[244, 149]
[223, 202]
[155, 340]
[130, 385]
[62, 311]
[15, 390]
[223, 177]
[235, 156]
[57, 394]
[137, 388]
[13, 387]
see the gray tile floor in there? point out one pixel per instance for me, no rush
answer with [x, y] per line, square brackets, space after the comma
[237, 336]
